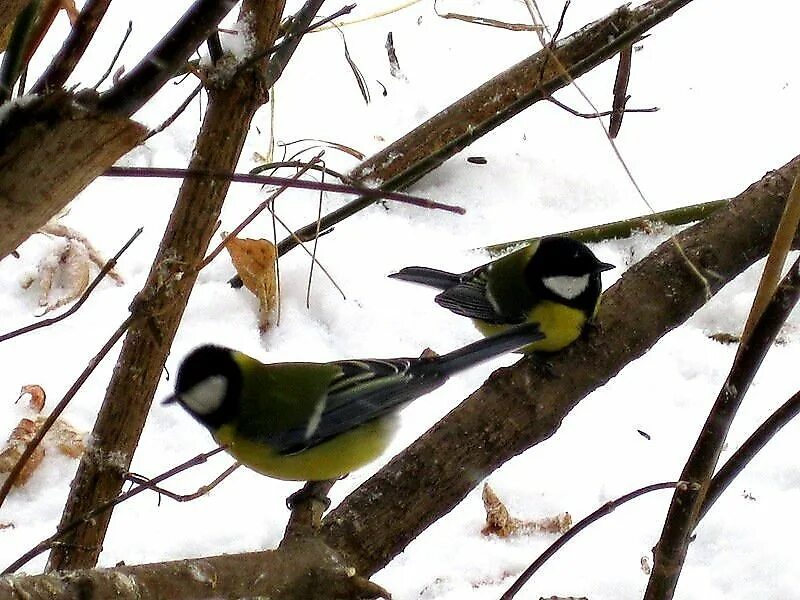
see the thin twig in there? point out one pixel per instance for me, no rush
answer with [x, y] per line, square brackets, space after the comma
[214, 44]
[626, 227]
[486, 21]
[48, 542]
[253, 214]
[620, 91]
[372, 193]
[601, 512]
[670, 552]
[748, 450]
[297, 164]
[314, 250]
[62, 404]
[357, 74]
[307, 251]
[200, 492]
[605, 113]
[301, 21]
[110, 264]
[178, 112]
[116, 56]
[337, 146]
[62, 65]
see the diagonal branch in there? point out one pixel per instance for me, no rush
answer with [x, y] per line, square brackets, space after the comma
[162, 302]
[472, 441]
[670, 552]
[62, 65]
[164, 60]
[533, 79]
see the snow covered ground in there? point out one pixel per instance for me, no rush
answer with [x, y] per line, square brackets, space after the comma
[727, 85]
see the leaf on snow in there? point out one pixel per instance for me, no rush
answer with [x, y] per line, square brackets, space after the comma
[255, 262]
[499, 522]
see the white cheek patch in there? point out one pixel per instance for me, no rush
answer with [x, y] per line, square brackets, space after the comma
[567, 286]
[207, 396]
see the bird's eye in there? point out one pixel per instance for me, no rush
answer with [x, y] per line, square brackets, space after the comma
[206, 397]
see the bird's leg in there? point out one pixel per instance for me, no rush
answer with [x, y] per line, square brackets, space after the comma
[307, 505]
[311, 491]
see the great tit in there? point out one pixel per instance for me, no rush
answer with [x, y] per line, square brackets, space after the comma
[554, 282]
[316, 421]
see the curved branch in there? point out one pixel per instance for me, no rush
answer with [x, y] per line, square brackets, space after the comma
[472, 441]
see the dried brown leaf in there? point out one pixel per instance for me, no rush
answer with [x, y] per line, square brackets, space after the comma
[255, 262]
[64, 437]
[499, 521]
[37, 396]
[15, 446]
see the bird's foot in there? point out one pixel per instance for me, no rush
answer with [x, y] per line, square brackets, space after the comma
[310, 492]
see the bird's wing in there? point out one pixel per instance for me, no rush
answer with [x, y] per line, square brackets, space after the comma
[365, 390]
[470, 298]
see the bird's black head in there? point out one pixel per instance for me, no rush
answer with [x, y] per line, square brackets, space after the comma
[566, 269]
[209, 385]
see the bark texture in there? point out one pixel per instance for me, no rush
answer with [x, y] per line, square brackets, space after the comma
[50, 150]
[162, 301]
[521, 406]
[9, 9]
[302, 571]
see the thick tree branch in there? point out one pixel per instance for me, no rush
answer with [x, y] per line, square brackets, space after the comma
[533, 79]
[163, 300]
[50, 149]
[303, 570]
[653, 297]
[379, 519]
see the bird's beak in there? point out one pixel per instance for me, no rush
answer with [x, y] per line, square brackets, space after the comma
[170, 399]
[601, 266]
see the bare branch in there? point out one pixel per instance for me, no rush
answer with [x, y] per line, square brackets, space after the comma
[164, 60]
[601, 512]
[61, 67]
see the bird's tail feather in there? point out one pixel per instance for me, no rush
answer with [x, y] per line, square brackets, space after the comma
[426, 276]
[484, 349]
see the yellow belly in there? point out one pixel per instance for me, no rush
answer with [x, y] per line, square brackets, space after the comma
[329, 460]
[561, 324]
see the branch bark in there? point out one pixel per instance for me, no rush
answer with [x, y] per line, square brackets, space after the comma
[50, 150]
[9, 9]
[303, 570]
[653, 297]
[670, 552]
[533, 79]
[163, 300]
[378, 520]
[82, 32]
